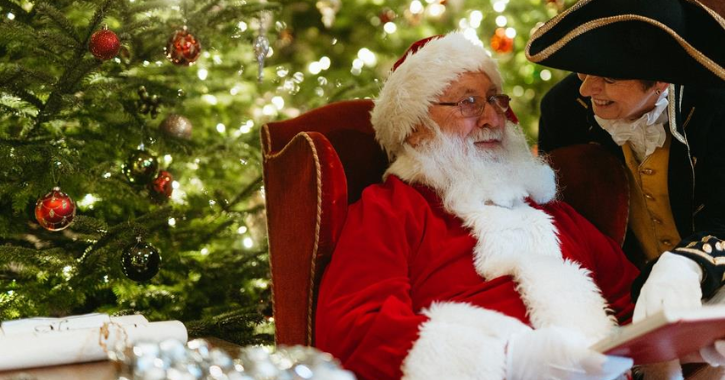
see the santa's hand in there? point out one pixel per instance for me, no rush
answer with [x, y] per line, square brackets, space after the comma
[559, 353]
[674, 283]
[714, 354]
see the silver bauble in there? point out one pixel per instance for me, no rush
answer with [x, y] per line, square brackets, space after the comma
[176, 126]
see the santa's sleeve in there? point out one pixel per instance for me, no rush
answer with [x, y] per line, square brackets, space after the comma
[365, 315]
[612, 271]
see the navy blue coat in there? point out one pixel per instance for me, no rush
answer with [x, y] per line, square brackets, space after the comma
[696, 176]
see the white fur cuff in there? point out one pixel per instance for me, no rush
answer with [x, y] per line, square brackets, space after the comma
[462, 342]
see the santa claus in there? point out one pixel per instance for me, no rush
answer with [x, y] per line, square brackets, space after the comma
[462, 264]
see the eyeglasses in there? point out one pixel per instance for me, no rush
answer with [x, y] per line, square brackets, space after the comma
[473, 106]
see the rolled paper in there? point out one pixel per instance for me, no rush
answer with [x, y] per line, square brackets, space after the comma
[31, 325]
[55, 347]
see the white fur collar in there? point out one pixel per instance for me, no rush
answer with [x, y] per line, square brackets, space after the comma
[522, 242]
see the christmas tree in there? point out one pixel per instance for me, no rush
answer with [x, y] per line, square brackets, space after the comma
[131, 176]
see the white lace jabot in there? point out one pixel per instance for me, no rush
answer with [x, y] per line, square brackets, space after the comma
[645, 134]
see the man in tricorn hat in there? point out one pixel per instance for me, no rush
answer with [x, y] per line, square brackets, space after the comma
[649, 86]
[462, 264]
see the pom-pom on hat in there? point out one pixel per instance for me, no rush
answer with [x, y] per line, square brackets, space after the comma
[419, 78]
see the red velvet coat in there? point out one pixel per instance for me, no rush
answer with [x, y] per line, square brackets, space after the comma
[399, 252]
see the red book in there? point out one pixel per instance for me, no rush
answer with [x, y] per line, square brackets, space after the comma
[667, 335]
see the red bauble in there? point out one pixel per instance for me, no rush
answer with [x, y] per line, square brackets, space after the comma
[502, 43]
[387, 15]
[160, 187]
[558, 4]
[55, 211]
[183, 48]
[104, 44]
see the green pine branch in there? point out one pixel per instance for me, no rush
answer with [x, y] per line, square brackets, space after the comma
[46, 9]
[229, 14]
[17, 10]
[23, 94]
[142, 7]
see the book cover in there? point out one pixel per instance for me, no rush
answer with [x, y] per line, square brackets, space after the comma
[667, 335]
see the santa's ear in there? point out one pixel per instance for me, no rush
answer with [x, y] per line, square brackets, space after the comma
[419, 134]
[661, 86]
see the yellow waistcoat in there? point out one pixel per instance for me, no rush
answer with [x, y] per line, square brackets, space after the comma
[650, 214]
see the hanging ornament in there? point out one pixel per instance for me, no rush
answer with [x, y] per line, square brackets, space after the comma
[386, 15]
[55, 211]
[413, 18]
[140, 261]
[160, 188]
[328, 9]
[176, 126]
[261, 49]
[285, 38]
[141, 167]
[183, 48]
[104, 44]
[125, 54]
[500, 42]
[558, 5]
[148, 104]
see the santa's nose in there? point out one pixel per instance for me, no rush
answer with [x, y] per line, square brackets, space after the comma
[491, 117]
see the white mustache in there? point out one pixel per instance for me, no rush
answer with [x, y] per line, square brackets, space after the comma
[487, 134]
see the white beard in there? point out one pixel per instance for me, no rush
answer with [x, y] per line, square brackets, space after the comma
[466, 176]
[487, 190]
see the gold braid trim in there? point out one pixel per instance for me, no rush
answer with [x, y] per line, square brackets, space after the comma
[553, 22]
[687, 120]
[598, 23]
[718, 261]
[720, 20]
[697, 252]
[318, 222]
[582, 103]
[318, 219]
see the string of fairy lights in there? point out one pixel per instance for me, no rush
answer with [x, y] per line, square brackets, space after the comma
[278, 102]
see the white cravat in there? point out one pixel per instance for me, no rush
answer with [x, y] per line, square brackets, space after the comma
[645, 134]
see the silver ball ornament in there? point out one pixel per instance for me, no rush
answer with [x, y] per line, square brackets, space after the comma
[176, 126]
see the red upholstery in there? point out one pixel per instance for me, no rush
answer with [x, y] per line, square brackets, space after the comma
[595, 183]
[318, 163]
[314, 165]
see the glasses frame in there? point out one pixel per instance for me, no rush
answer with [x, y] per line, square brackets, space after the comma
[493, 100]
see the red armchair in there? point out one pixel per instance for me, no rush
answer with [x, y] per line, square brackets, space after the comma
[595, 184]
[314, 166]
[318, 163]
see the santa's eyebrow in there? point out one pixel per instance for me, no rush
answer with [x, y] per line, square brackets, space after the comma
[468, 92]
[492, 90]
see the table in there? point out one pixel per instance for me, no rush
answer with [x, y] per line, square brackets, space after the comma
[102, 370]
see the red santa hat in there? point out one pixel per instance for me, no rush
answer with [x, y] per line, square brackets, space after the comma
[418, 78]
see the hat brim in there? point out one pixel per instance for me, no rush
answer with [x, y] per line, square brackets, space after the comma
[675, 41]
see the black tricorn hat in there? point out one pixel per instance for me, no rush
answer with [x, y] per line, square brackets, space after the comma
[675, 41]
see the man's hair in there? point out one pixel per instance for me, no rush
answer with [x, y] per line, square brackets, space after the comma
[419, 80]
[647, 84]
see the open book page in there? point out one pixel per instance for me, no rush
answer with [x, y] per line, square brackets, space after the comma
[667, 335]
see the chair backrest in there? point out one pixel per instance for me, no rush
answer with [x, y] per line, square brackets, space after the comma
[314, 166]
[318, 163]
[594, 182]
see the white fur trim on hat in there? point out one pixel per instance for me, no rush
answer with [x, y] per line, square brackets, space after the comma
[423, 76]
[461, 342]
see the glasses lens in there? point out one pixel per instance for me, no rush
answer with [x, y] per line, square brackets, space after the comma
[471, 106]
[502, 101]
